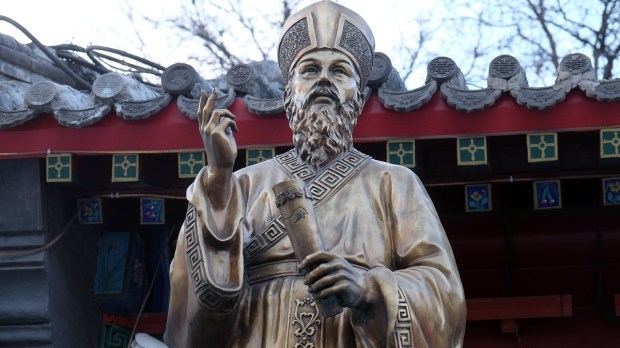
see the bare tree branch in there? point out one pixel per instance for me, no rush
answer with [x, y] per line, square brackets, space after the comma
[538, 32]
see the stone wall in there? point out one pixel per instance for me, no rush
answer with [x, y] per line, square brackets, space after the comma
[45, 298]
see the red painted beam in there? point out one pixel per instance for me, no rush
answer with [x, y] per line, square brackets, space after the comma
[151, 323]
[169, 131]
[552, 306]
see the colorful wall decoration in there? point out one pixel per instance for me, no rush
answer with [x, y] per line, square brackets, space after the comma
[478, 198]
[257, 155]
[542, 147]
[89, 211]
[547, 194]
[401, 152]
[113, 336]
[152, 211]
[471, 151]
[610, 143]
[190, 163]
[125, 168]
[58, 167]
[611, 191]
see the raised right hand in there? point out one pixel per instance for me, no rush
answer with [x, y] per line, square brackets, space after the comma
[216, 128]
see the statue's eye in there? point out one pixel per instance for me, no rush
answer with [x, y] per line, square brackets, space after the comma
[310, 70]
[341, 71]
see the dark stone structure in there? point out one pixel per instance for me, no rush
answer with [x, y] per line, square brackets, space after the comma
[44, 294]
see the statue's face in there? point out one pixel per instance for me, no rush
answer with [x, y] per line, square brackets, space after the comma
[329, 68]
[322, 101]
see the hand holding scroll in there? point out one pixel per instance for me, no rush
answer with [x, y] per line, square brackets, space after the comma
[295, 204]
[331, 275]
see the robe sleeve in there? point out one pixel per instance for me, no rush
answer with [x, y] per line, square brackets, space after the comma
[420, 301]
[207, 271]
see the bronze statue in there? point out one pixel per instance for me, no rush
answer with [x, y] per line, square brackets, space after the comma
[380, 266]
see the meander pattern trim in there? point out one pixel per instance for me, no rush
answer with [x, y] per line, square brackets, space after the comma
[321, 188]
[208, 296]
[403, 335]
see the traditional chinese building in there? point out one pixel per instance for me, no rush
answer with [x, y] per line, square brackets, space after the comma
[94, 165]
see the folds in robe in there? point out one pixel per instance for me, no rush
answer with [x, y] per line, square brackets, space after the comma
[234, 276]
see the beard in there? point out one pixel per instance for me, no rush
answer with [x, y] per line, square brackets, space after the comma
[321, 134]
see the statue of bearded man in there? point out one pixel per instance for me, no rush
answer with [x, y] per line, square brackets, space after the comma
[235, 278]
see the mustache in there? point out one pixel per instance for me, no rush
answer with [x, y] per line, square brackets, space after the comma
[321, 91]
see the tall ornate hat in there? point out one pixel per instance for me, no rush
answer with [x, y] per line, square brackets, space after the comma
[326, 24]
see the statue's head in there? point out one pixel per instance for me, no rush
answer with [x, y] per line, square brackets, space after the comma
[330, 26]
[325, 55]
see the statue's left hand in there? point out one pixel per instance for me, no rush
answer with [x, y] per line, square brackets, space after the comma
[329, 274]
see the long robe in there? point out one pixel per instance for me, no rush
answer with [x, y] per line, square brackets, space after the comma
[234, 277]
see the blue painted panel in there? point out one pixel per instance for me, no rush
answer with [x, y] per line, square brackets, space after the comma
[478, 197]
[112, 263]
[611, 191]
[121, 280]
[547, 194]
[152, 211]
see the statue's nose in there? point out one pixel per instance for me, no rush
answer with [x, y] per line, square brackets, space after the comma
[324, 80]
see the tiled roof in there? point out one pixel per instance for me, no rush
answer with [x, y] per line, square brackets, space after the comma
[82, 92]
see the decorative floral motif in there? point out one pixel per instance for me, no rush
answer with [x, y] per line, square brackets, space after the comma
[478, 197]
[306, 322]
[611, 188]
[90, 211]
[152, 210]
[547, 194]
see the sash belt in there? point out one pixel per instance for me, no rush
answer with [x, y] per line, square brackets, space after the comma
[268, 271]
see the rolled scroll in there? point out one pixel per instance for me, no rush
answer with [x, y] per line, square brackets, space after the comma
[295, 204]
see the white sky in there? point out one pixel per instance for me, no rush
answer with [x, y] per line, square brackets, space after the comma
[104, 23]
[85, 22]
[81, 22]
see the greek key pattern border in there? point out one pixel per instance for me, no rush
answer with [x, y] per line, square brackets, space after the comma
[402, 331]
[321, 187]
[265, 239]
[208, 296]
[291, 165]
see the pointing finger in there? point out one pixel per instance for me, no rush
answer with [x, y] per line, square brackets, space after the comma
[206, 108]
[201, 105]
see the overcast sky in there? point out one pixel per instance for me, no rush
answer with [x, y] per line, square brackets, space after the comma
[105, 23]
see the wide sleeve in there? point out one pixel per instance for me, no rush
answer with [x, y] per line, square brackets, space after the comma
[419, 300]
[207, 271]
